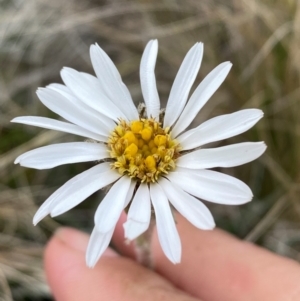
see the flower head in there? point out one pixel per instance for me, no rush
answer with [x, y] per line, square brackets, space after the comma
[147, 155]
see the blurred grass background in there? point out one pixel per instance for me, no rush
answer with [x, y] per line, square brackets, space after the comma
[39, 37]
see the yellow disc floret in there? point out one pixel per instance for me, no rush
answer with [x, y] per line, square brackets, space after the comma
[142, 149]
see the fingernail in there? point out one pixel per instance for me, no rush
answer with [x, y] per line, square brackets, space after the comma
[78, 240]
[72, 238]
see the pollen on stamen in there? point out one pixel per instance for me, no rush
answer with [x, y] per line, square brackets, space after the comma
[142, 149]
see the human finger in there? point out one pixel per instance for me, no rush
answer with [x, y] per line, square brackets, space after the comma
[217, 266]
[113, 278]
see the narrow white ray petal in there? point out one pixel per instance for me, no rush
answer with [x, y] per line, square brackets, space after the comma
[139, 214]
[111, 207]
[201, 95]
[62, 89]
[166, 228]
[148, 81]
[42, 212]
[60, 105]
[101, 173]
[183, 83]
[112, 84]
[225, 156]
[98, 243]
[89, 91]
[80, 187]
[45, 208]
[191, 208]
[212, 186]
[219, 128]
[64, 153]
[130, 193]
[52, 124]
[106, 121]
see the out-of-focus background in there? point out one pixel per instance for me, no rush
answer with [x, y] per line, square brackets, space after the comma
[39, 37]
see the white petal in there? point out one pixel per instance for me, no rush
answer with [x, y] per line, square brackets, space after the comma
[130, 193]
[80, 187]
[52, 124]
[219, 128]
[191, 208]
[64, 153]
[148, 81]
[64, 90]
[201, 95]
[64, 191]
[104, 118]
[45, 208]
[111, 207]
[98, 243]
[166, 228]
[111, 81]
[42, 212]
[107, 120]
[225, 156]
[183, 83]
[59, 194]
[89, 91]
[139, 214]
[212, 186]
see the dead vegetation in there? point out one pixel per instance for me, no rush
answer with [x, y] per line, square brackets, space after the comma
[39, 37]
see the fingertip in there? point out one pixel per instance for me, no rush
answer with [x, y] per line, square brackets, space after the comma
[60, 262]
[73, 238]
[66, 270]
[114, 278]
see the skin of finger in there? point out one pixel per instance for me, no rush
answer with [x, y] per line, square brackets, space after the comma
[216, 266]
[125, 247]
[113, 278]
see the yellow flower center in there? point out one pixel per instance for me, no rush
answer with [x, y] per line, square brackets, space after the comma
[142, 149]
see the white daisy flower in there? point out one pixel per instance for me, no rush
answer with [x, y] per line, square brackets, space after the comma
[147, 156]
